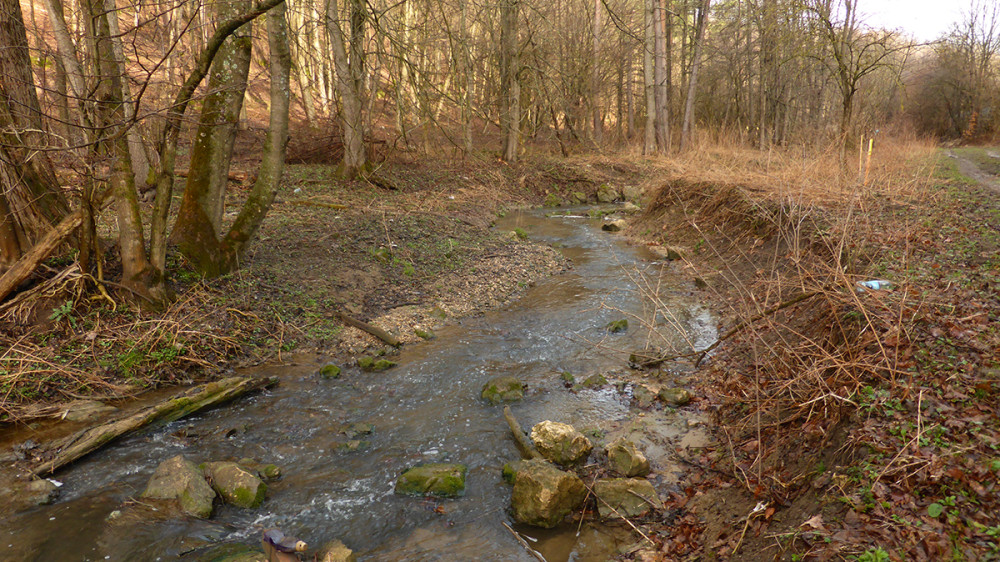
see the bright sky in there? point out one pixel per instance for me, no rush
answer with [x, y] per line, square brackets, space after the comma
[926, 20]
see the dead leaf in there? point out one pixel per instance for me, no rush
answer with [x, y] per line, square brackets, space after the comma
[815, 522]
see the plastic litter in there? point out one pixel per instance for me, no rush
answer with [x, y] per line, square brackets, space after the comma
[875, 285]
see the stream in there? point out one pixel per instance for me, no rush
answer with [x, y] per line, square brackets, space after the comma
[427, 409]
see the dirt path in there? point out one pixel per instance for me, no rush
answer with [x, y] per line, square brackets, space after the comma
[972, 170]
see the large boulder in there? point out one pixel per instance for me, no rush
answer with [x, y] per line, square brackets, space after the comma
[543, 495]
[433, 479]
[560, 443]
[614, 225]
[179, 479]
[503, 389]
[625, 497]
[236, 484]
[626, 459]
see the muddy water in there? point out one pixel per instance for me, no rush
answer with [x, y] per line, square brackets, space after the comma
[426, 409]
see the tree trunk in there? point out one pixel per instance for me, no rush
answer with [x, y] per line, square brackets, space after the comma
[595, 76]
[687, 125]
[33, 200]
[649, 77]
[273, 163]
[203, 204]
[349, 74]
[662, 79]
[510, 95]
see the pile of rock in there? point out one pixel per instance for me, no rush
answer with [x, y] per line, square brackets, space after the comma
[548, 489]
[195, 487]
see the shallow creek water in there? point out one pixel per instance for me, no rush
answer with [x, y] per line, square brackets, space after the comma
[426, 409]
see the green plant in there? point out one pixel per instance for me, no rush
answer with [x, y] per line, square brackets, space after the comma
[874, 555]
[63, 312]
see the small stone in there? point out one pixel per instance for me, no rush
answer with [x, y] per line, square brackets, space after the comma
[330, 371]
[630, 207]
[617, 326]
[433, 479]
[626, 459]
[366, 363]
[424, 334]
[700, 283]
[625, 497]
[675, 396]
[560, 443]
[503, 389]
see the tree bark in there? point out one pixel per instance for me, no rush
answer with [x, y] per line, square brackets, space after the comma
[662, 79]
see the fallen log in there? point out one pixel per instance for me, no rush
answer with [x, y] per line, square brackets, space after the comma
[26, 265]
[373, 330]
[524, 446]
[86, 441]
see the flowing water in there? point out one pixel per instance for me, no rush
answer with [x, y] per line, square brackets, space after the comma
[426, 409]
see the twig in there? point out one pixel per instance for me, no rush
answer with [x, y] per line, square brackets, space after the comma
[523, 542]
[373, 330]
[527, 450]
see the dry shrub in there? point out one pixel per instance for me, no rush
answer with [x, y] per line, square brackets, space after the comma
[792, 235]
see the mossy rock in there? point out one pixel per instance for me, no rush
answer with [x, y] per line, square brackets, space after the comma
[520, 234]
[578, 197]
[353, 445]
[433, 479]
[625, 497]
[643, 396]
[266, 472]
[424, 334]
[180, 479]
[700, 283]
[510, 470]
[330, 371]
[617, 326]
[235, 484]
[675, 396]
[543, 495]
[552, 200]
[594, 381]
[567, 377]
[371, 364]
[359, 428]
[607, 194]
[560, 443]
[503, 389]
[383, 255]
[626, 459]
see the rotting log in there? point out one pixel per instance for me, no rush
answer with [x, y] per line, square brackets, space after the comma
[373, 330]
[524, 446]
[73, 447]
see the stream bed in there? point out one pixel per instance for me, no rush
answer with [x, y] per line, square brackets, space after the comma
[427, 409]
